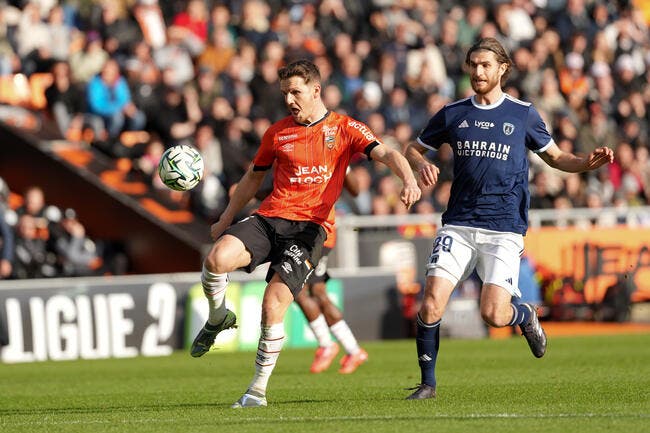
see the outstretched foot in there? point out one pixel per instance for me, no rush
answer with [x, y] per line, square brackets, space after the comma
[349, 363]
[205, 338]
[324, 357]
[250, 399]
[422, 392]
[534, 334]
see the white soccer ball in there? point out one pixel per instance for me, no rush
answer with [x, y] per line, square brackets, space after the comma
[181, 167]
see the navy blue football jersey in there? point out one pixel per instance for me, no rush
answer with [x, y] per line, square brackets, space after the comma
[490, 142]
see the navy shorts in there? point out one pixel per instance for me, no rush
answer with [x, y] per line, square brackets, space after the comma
[292, 247]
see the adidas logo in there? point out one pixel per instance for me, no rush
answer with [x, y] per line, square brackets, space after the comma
[509, 281]
[463, 124]
[425, 358]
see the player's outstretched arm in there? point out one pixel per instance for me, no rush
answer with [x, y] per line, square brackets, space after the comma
[569, 162]
[428, 172]
[400, 166]
[244, 192]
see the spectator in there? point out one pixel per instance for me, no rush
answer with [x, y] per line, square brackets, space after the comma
[60, 34]
[110, 98]
[451, 50]
[210, 197]
[624, 172]
[208, 88]
[266, 93]
[118, 30]
[32, 259]
[573, 19]
[76, 253]
[66, 102]
[236, 150]
[470, 24]
[87, 56]
[572, 77]
[219, 52]
[147, 163]
[152, 23]
[33, 41]
[175, 57]
[599, 130]
[178, 116]
[398, 109]
[147, 89]
[9, 59]
[192, 23]
[35, 206]
[255, 25]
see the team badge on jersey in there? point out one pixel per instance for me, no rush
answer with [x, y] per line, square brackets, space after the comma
[508, 128]
[330, 135]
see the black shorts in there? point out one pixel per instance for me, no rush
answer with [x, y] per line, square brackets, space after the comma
[320, 274]
[292, 247]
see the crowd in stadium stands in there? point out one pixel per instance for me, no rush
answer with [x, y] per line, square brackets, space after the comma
[204, 73]
[40, 240]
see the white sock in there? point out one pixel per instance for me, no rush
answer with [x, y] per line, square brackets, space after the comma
[342, 332]
[214, 288]
[321, 331]
[268, 351]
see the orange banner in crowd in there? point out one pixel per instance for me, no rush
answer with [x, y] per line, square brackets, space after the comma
[596, 257]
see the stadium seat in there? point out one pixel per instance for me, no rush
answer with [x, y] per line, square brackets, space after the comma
[15, 90]
[38, 83]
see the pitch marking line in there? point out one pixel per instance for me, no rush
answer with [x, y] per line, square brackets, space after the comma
[477, 416]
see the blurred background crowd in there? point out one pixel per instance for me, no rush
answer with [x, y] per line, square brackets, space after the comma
[133, 77]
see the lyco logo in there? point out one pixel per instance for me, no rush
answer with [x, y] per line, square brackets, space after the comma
[287, 137]
[483, 124]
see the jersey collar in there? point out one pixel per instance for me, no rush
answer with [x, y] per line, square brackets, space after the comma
[307, 125]
[488, 106]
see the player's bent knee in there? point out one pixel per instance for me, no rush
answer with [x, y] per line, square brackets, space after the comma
[226, 255]
[494, 317]
[431, 311]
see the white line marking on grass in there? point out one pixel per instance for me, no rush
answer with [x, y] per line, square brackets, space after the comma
[224, 420]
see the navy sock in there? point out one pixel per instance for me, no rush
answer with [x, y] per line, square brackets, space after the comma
[521, 314]
[427, 340]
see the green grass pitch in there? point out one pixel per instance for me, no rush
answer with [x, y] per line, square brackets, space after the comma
[583, 384]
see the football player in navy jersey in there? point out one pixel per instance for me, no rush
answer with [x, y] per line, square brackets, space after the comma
[487, 215]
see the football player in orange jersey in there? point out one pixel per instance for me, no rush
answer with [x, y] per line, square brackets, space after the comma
[309, 151]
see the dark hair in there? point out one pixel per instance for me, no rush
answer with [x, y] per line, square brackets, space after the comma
[491, 44]
[304, 69]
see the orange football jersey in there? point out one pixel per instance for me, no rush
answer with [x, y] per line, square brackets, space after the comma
[310, 165]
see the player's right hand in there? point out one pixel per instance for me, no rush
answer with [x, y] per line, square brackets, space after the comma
[428, 174]
[410, 194]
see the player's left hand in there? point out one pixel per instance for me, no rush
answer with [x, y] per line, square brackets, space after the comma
[600, 157]
[410, 194]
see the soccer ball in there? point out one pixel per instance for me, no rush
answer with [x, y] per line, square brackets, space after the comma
[181, 167]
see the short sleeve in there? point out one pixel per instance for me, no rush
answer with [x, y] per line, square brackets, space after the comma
[266, 153]
[360, 135]
[537, 136]
[435, 134]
